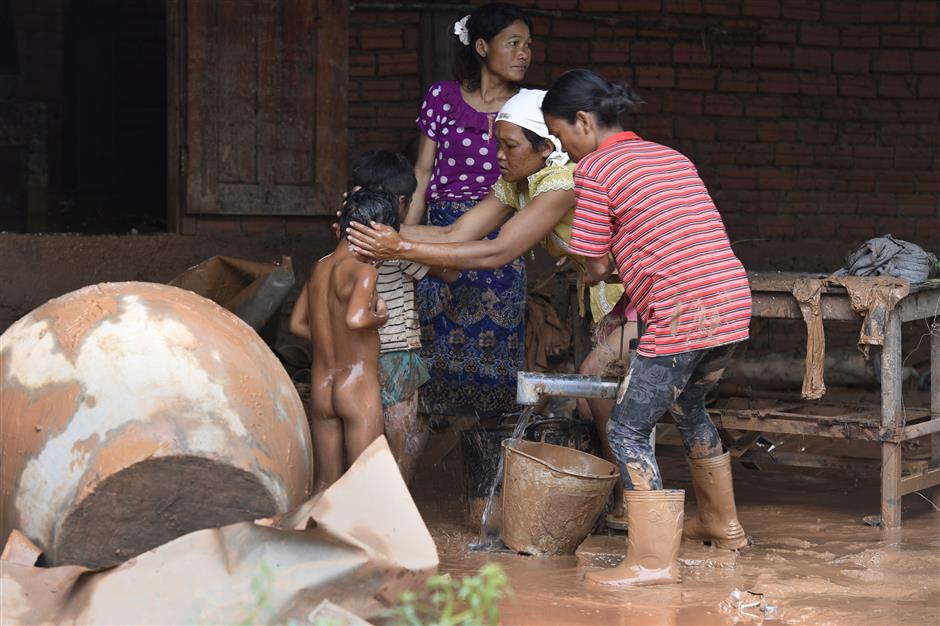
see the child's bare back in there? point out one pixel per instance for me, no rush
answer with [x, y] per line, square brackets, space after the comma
[345, 313]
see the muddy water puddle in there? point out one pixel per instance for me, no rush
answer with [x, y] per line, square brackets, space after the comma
[813, 559]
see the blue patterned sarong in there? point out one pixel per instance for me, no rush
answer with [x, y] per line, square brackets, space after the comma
[472, 333]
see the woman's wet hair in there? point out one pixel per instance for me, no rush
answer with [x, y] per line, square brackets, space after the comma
[368, 205]
[384, 170]
[485, 23]
[583, 90]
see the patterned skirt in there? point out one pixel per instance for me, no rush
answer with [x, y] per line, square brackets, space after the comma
[472, 333]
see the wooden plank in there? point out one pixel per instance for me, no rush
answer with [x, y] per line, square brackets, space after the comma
[931, 427]
[296, 94]
[235, 41]
[890, 485]
[202, 87]
[251, 199]
[929, 478]
[332, 77]
[935, 396]
[268, 85]
[775, 305]
[923, 304]
[793, 427]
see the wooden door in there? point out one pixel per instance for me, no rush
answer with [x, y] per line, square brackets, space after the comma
[259, 92]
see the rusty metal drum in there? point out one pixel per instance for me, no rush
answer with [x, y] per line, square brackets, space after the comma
[132, 413]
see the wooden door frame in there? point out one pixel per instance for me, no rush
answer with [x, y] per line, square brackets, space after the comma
[331, 126]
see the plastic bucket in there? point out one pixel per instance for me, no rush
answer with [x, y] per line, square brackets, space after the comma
[551, 496]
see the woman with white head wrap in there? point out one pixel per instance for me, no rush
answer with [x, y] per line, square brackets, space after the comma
[533, 200]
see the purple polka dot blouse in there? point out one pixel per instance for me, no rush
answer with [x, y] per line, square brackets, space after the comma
[465, 164]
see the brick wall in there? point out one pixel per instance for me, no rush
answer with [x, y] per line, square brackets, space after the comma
[806, 118]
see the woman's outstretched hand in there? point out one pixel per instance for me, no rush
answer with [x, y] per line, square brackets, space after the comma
[376, 241]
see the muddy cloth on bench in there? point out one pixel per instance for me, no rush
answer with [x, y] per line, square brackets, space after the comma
[887, 256]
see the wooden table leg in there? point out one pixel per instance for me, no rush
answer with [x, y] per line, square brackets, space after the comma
[934, 493]
[892, 418]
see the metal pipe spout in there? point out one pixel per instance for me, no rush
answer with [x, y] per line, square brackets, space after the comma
[532, 386]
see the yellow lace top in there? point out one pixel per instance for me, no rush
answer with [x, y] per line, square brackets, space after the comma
[557, 243]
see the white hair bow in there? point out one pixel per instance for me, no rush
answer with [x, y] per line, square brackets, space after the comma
[460, 29]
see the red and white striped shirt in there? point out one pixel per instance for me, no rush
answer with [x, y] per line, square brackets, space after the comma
[645, 204]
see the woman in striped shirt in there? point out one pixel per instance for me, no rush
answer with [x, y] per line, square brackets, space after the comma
[644, 204]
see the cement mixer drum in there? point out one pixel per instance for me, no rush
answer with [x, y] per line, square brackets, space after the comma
[133, 413]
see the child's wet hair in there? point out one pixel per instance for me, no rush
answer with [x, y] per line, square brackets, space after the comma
[366, 206]
[583, 90]
[384, 170]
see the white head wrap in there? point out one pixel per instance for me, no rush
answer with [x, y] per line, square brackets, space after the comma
[525, 109]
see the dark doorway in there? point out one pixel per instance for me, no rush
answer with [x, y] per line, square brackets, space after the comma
[114, 143]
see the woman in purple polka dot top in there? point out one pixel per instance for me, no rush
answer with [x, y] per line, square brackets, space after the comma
[473, 329]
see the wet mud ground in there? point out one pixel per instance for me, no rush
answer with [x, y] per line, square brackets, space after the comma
[813, 558]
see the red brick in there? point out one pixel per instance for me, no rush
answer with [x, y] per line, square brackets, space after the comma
[212, 224]
[258, 224]
[878, 204]
[610, 51]
[722, 7]
[655, 76]
[571, 28]
[850, 61]
[898, 135]
[754, 154]
[695, 79]
[897, 86]
[797, 202]
[763, 107]
[907, 158]
[793, 154]
[917, 204]
[879, 12]
[930, 38]
[599, 5]
[929, 183]
[695, 128]
[569, 52]
[693, 7]
[395, 63]
[723, 105]
[897, 182]
[815, 226]
[924, 62]
[841, 109]
[718, 153]
[734, 177]
[777, 131]
[812, 59]
[880, 111]
[927, 135]
[773, 81]
[308, 225]
[362, 65]
[872, 157]
[737, 81]
[682, 102]
[928, 87]
[776, 225]
[893, 36]
[801, 9]
[859, 134]
[729, 56]
[689, 52]
[918, 111]
[411, 39]
[839, 203]
[736, 130]
[637, 6]
[857, 86]
[861, 37]
[650, 51]
[928, 228]
[818, 35]
[902, 227]
[773, 56]
[918, 12]
[380, 39]
[761, 8]
[656, 127]
[861, 181]
[558, 4]
[779, 32]
[770, 178]
[841, 11]
[817, 132]
[813, 84]
[892, 61]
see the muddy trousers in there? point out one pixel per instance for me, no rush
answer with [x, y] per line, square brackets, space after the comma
[676, 383]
